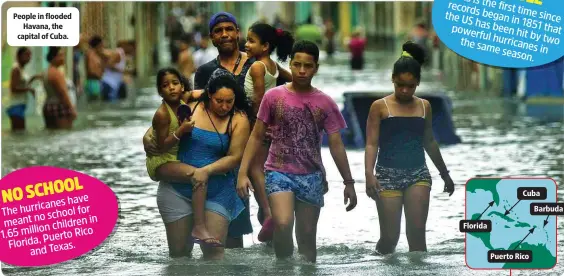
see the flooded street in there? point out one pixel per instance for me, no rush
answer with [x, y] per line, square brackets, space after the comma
[498, 139]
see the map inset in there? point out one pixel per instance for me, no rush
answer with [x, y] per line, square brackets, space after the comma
[510, 223]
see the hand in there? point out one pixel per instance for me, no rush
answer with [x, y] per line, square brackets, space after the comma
[449, 185]
[195, 94]
[200, 177]
[243, 186]
[35, 77]
[186, 126]
[150, 147]
[324, 182]
[373, 187]
[350, 196]
[325, 186]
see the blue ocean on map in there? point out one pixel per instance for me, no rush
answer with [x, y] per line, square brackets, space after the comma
[507, 230]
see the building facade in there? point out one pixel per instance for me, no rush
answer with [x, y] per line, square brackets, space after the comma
[385, 24]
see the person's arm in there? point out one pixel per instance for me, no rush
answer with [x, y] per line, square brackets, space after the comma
[257, 72]
[239, 138]
[284, 74]
[113, 58]
[339, 154]
[196, 94]
[93, 68]
[430, 144]
[372, 135]
[257, 136]
[161, 123]
[332, 125]
[373, 187]
[183, 64]
[60, 85]
[337, 149]
[189, 63]
[171, 175]
[15, 81]
[200, 78]
[192, 96]
[150, 146]
[35, 77]
[147, 139]
[255, 140]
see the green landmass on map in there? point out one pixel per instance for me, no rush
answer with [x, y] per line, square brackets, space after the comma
[522, 224]
[542, 258]
[488, 185]
[502, 216]
[483, 236]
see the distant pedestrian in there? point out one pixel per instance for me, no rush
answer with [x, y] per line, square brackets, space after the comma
[357, 45]
[19, 89]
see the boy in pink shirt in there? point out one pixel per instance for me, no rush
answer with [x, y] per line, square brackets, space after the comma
[296, 115]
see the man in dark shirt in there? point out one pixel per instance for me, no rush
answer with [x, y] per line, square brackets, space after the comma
[224, 33]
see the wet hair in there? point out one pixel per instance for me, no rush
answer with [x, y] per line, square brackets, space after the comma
[228, 81]
[52, 53]
[168, 70]
[413, 56]
[223, 79]
[277, 39]
[21, 51]
[307, 47]
[94, 41]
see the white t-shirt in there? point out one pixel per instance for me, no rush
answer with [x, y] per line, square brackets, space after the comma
[203, 56]
[19, 98]
[114, 78]
[269, 81]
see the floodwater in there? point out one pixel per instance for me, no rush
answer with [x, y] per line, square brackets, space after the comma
[500, 138]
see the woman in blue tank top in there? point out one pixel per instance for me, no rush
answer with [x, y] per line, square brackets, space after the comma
[214, 149]
[399, 132]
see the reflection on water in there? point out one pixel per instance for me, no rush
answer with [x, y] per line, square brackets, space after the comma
[500, 138]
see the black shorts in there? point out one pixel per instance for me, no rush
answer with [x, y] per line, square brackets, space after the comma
[357, 63]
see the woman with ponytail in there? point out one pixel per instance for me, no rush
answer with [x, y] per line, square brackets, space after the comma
[399, 131]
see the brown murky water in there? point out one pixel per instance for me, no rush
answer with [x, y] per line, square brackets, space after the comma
[500, 138]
